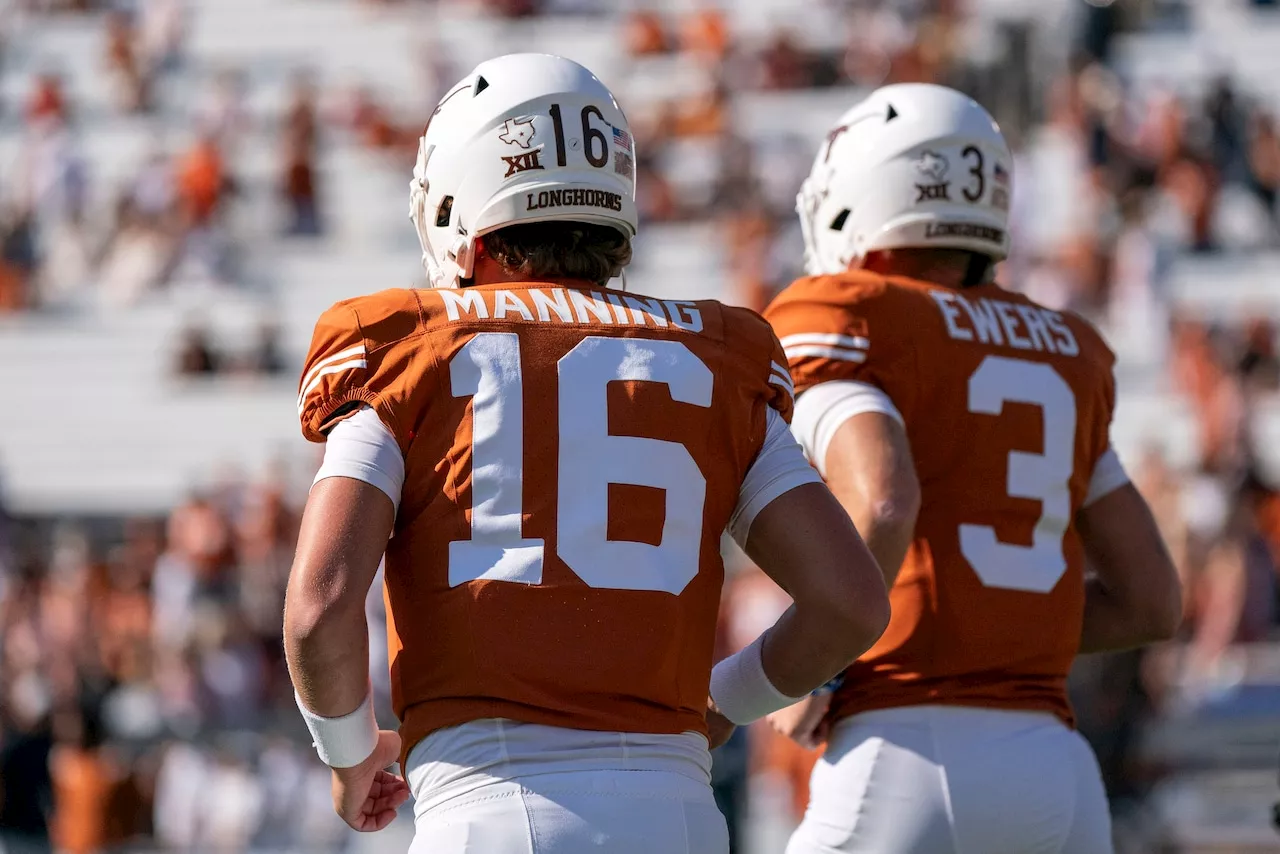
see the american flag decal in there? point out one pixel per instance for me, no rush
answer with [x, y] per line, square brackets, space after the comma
[1001, 174]
[622, 139]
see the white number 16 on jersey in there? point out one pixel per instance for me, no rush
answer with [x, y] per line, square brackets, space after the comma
[488, 370]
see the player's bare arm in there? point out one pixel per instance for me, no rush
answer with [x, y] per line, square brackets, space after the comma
[805, 542]
[870, 471]
[872, 474]
[344, 531]
[1135, 597]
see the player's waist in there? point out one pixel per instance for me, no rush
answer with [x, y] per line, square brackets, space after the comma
[932, 730]
[461, 761]
[867, 692]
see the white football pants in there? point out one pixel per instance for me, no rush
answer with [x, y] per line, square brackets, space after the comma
[501, 787]
[953, 780]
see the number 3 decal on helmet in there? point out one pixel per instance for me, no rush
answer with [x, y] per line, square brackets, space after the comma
[912, 165]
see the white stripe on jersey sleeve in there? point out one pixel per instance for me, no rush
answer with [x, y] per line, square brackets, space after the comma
[322, 373]
[307, 383]
[784, 384]
[783, 374]
[824, 352]
[857, 342]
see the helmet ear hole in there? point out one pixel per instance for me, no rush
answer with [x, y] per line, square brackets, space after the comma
[837, 224]
[444, 212]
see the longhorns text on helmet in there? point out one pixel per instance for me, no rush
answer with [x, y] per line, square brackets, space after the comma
[523, 138]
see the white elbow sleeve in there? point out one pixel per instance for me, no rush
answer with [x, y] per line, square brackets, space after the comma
[362, 448]
[779, 467]
[1108, 476]
[821, 411]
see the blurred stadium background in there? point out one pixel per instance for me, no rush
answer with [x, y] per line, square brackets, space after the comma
[185, 185]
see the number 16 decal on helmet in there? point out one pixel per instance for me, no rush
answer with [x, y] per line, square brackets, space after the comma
[524, 138]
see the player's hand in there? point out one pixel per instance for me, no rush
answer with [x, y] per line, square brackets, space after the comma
[719, 728]
[805, 723]
[367, 795]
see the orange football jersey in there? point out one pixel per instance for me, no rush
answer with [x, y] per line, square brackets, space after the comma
[1007, 408]
[572, 458]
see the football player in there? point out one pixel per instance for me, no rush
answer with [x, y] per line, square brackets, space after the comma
[549, 465]
[965, 430]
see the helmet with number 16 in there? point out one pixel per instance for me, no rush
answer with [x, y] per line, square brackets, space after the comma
[523, 138]
[913, 165]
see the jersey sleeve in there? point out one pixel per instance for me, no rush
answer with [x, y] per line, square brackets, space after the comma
[837, 330]
[773, 461]
[362, 448]
[755, 358]
[364, 352]
[779, 468]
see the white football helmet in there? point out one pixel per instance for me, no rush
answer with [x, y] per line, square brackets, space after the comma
[912, 165]
[522, 138]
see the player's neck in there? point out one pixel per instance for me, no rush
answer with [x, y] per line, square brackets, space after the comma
[579, 284]
[487, 272]
[949, 270]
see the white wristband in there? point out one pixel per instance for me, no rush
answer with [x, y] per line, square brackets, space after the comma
[741, 689]
[346, 741]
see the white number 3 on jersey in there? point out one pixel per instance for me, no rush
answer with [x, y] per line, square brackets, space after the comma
[1044, 477]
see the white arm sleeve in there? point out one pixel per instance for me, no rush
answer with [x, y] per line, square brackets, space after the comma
[821, 411]
[1108, 476]
[780, 467]
[361, 447]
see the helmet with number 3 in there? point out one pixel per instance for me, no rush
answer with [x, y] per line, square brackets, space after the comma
[914, 165]
[522, 138]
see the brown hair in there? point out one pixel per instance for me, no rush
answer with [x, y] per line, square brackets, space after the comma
[560, 250]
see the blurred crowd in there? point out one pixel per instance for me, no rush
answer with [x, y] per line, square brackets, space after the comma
[145, 696]
[145, 691]
[143, 686]
[1110, 183]
[69, 237]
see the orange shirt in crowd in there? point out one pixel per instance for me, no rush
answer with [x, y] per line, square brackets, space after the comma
[644, 35]
[81, 791]
[705, 34]
[201, 178]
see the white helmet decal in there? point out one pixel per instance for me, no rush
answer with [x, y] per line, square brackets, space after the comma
[912, 165]
[522, 138]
